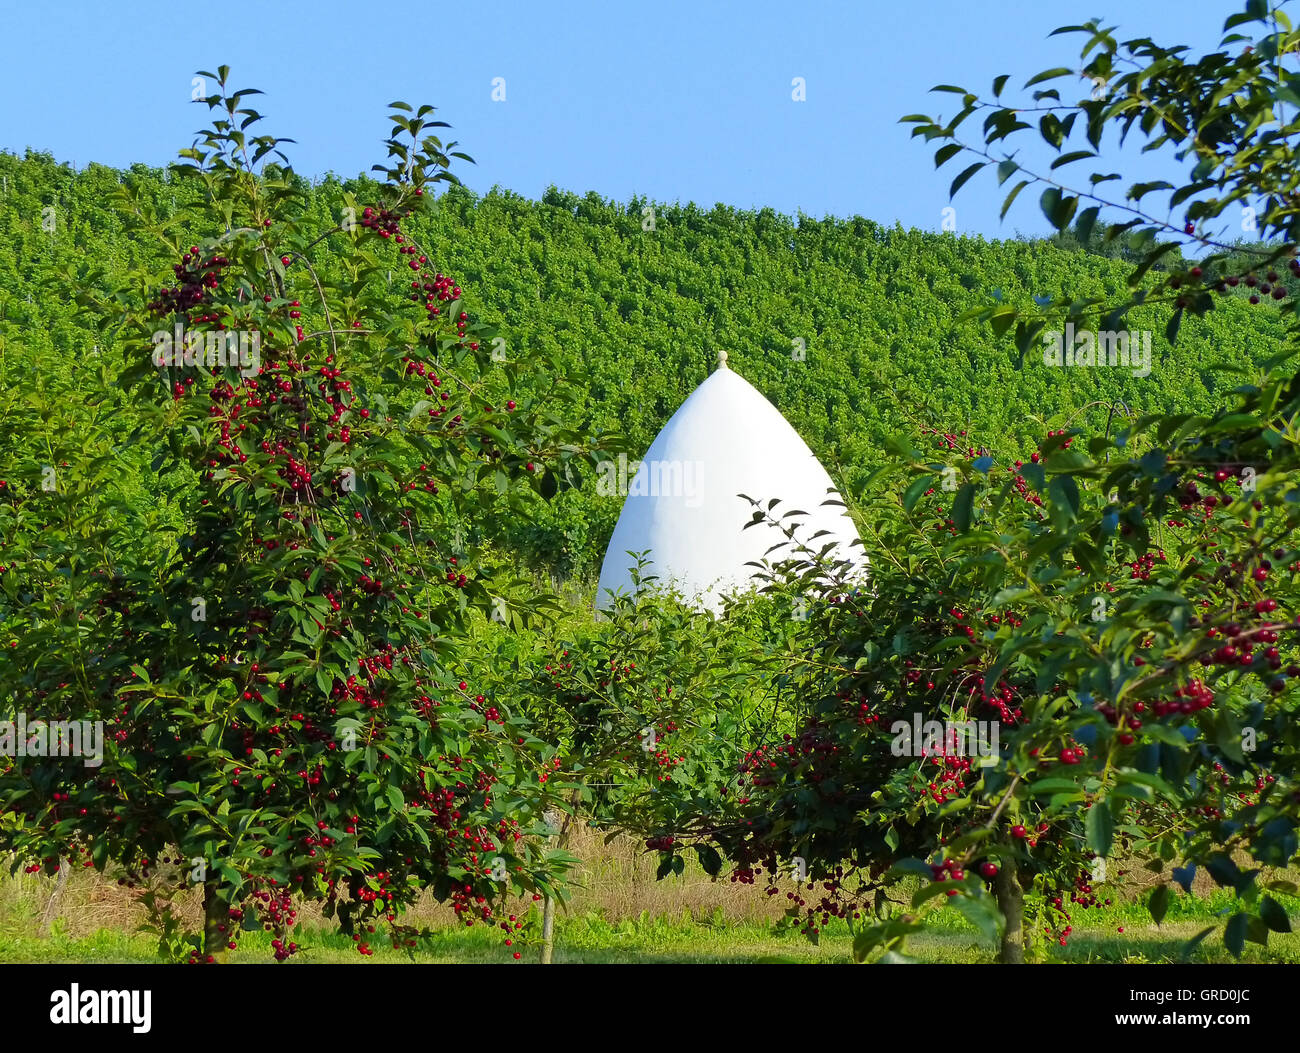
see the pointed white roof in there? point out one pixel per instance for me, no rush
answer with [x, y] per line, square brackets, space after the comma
[683, 504]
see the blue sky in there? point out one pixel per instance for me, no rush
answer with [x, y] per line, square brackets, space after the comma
[675, 101]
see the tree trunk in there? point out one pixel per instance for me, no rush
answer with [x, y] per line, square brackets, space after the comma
[1011, 902]
[548, 930]
[216, 923]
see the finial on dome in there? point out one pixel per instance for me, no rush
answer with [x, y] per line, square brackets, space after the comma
[722, 358]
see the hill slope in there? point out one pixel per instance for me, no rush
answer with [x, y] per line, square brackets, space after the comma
[848, 327]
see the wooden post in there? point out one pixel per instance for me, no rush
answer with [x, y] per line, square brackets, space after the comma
[47, 918]
[548, 930]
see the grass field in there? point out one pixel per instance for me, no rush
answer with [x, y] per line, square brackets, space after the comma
[595, 940]
[620, 914]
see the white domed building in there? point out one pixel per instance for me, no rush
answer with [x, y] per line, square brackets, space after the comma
[684, 505]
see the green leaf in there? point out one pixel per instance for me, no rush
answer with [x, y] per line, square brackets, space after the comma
[1049, 74]
[908, 868]
[980, 912]
[1002, 320]
[1074, 155]
[1064, 494]
[1045, 786]
[1099, 828]
[1058, 210]
[1172, 326]
[946, 153]
[962, 179]
[710, 859]
[865, 941]
[1224, 871]
[913, 493]
[1272, 914]
[1159, 903]
[1015, 191]
[962, 508]
[1084, 224]
[1234, 934]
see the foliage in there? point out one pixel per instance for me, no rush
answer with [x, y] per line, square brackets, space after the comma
[274, 683]
[1120, 608]
[632, 319]
[1108, 590]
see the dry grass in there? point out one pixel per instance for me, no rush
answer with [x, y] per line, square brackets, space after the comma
[618, 882]
[615, 882]
[88, 903]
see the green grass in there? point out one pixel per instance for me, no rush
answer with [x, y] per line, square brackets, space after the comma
[592, 939]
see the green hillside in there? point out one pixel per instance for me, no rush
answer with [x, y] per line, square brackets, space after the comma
[850, 328]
